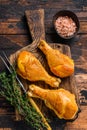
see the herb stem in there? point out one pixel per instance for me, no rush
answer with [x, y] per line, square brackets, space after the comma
[9, 88]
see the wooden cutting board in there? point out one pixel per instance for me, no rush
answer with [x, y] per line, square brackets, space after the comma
[35, 20]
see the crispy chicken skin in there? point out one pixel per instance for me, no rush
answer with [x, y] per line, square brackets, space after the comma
[61, 101]
[60, 64]
[29, 67]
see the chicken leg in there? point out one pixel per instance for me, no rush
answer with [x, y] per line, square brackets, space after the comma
[29, 67]
[61, 101]
[60, 64]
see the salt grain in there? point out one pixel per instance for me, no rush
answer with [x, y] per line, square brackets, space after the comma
[65, 26]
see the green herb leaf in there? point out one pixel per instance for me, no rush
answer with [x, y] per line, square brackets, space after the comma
[10, 89]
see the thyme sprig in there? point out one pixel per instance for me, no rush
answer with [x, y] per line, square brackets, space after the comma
[9, 88]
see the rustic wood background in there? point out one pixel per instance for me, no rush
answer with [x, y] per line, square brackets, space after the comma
[14, 35]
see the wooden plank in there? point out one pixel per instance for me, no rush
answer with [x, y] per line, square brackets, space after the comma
[77, 45]
[7, 129]
[20, 27]
[8, 10]
[32, 2]
[82, 15]
[5, 107]
[80, 123]
[81, 79]
[9, 41]
[6, 111]
[13, 28]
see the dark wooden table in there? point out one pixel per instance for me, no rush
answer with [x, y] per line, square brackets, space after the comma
[14, 34]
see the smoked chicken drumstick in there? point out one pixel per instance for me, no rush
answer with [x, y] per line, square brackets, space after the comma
[60, 64]
[30, 68]
[61, 101]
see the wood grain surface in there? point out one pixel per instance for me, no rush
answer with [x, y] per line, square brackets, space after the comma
[14, 34]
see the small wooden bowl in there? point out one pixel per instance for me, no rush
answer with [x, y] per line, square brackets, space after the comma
[71, 15]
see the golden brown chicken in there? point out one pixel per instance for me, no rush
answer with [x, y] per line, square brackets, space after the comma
[29, 67]
[60, 64]
[61, 101]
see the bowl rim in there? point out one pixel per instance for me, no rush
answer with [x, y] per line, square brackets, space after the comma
[70, 14]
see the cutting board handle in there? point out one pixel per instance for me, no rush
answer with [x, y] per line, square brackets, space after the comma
[35, 20]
